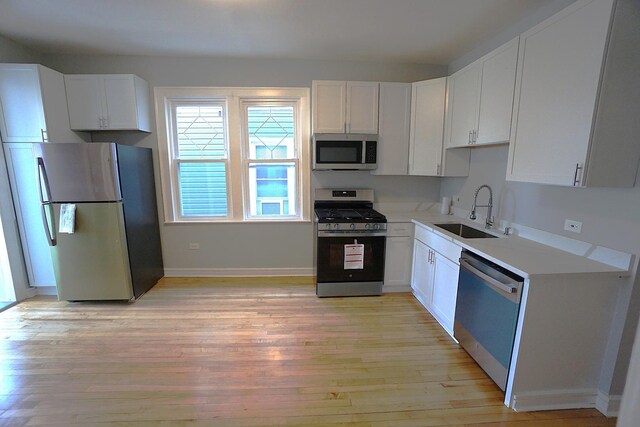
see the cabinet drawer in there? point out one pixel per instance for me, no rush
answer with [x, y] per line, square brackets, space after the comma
[438, 243]
[400, 229]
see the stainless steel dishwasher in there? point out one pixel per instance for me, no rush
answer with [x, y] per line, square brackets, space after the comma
[487, 313]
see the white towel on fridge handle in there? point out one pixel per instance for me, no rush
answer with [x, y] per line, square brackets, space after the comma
[354, 256]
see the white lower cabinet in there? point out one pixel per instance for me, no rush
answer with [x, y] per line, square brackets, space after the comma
[397, 268]
[434, 276]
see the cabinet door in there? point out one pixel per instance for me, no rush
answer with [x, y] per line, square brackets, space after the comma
[54, 101]
[394, 121]
[464, 101]
[85, 100]
[422, 273]
[362, 107]
[119, 103]
[559, 68]
[496, 95]
[427, 127]
[445, 290]
[26, 200]
[397, 268]
[21, 104]
[329, 106]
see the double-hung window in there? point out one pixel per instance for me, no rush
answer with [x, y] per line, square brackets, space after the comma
[234, 154]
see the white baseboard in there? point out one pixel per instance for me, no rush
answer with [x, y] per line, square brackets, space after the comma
[46, 290]
[237, 272]
[396, 288]
[556, 399]
[609, 405]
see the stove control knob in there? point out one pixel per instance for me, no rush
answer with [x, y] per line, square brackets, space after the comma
[376, 226]
[352, 226]
[335, 226]
[367, 226]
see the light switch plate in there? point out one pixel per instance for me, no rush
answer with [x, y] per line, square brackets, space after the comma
[573, 226]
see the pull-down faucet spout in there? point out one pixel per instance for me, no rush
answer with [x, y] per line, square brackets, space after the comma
[489, 206]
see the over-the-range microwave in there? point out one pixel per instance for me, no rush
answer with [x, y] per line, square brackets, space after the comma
[344, 151]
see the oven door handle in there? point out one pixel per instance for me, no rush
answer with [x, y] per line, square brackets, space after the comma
[504, 287]
[350, 234]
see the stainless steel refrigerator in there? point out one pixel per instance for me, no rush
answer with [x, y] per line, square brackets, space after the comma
[111, 249]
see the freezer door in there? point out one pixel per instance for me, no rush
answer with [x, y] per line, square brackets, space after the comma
[93, 262]
[76, 173]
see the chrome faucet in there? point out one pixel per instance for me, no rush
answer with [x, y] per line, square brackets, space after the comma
[489, 206]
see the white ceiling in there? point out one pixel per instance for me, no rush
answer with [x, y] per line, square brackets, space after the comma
[415, 31]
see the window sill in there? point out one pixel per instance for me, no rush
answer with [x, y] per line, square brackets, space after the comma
[234, 221]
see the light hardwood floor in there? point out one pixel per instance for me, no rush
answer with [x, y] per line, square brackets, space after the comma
[237, 352]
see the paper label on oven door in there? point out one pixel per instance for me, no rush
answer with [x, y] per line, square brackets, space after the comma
[354, 257]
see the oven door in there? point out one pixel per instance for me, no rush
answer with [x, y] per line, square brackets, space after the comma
[331, 259]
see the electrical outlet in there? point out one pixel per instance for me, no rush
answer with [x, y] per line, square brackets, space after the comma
[194, 246]
[573, 226]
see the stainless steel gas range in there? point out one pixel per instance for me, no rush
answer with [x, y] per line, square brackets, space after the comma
[350, 248]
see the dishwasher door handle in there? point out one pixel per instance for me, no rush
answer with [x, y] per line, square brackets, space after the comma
[504, 287]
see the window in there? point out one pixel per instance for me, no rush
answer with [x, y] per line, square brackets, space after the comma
[230, 154]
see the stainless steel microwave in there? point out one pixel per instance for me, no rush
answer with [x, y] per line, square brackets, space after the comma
[345, 151]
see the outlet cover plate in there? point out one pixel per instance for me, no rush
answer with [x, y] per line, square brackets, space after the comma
[573, 226]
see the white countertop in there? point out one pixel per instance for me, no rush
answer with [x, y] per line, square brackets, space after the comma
[522, 256]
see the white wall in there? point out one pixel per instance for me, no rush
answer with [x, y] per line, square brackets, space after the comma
[610, 217]
[253, 247]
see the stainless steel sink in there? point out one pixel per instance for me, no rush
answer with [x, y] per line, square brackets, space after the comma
[465, 231]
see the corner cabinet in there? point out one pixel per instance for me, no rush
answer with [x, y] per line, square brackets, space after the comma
[434, 275]
[108, 102]
[577, 98]
[426, 154]
[345, 107]
[481, 99]
[394, 120]
[33, 105]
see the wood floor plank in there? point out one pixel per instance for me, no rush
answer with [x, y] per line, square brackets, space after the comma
[245, 352]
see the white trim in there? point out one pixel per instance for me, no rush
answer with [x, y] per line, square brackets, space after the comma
[237, 272]
[45, 290]
[234, 96]
[609, 405]
[556, 399]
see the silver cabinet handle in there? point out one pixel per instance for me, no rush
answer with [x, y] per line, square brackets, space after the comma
[43, 133]
[469, 137]
[438, 169]
[504, 287]
[46, 204]
[576, 180]
[475, 136]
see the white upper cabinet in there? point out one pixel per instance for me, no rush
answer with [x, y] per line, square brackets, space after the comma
[345, 107]
[577, 98]
[426, 155]
[108, 102]
[394, 122]
[464, 103]
[481, 99]
[427, 126]
[33, 105]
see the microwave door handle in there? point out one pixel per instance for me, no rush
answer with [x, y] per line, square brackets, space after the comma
[46, 204]
[363, 160]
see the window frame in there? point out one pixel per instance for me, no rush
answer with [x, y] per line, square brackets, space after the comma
[238, 210]
[247, 159]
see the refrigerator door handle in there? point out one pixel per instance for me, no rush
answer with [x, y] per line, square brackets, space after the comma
[45, 204]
